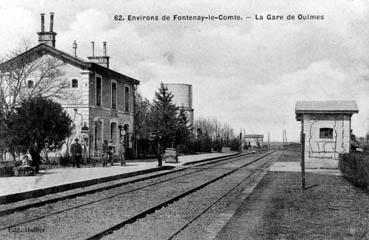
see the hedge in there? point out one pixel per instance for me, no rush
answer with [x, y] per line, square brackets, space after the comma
[355, 168]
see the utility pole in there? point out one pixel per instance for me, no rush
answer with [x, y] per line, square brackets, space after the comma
[303, 161]
[268, 141]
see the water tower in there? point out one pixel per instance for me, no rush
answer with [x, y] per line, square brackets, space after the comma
[182, 97]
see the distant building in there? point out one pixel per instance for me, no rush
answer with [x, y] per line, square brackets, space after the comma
[100, 101]
[254, 140]
[182, 97]
[327, 126]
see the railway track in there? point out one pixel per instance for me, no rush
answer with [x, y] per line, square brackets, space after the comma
[146, 189]
[10, 208]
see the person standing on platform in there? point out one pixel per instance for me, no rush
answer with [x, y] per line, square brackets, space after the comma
[122, 151]
[34, 151]
[159, 153]
[105, 149]
[76, 152]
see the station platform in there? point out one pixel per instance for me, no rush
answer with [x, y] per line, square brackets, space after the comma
[61, 179]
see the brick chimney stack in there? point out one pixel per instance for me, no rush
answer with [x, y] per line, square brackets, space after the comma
[47, 38]
[101, 60]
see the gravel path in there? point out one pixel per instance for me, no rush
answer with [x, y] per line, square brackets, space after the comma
[97, 216]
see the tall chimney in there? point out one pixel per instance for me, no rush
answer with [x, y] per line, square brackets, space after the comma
[101, 60]
[42, 22]
[93, 48]
[104, 48]
[47, 38]
[51, 21]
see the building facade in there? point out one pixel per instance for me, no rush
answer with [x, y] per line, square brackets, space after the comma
[100, 101]
[326, 126]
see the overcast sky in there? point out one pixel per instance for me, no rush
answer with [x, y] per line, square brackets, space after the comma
[248, 73]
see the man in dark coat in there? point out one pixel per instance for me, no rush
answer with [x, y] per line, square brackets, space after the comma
[159, 154]
[34, 151]
[76, 152]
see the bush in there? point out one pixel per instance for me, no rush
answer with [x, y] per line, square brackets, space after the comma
[182, 149]
[355, 168]
[235, 145]
[64, 160]
[217, 145]
[205, 144]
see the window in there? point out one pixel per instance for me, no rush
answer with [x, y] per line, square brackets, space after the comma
[113, 95]
[30, 84]
[74, 83]
[326, 133]
[113, 132]
[98, 91]
[126, 99]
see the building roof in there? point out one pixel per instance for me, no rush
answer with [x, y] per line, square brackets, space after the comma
[254, 136]
[43, 49]
[325, 107]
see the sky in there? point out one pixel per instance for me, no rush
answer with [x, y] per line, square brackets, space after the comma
[248, 73]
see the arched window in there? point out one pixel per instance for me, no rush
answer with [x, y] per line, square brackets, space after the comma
[126, 99]
[98, 91]
[326, 133]
[113, 95]
[74, 83]
[30, 84]
[113, 132]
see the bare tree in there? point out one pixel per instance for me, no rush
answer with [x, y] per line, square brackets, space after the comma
[25, 74]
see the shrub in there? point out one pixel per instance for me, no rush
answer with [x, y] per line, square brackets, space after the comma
[194, 146]
[182, 148]
[355, 168]
[205, 144]
[217, 145]
[6, 169]
[235, 145]
[64, 160]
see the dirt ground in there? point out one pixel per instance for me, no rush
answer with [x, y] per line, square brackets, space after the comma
[332, 208]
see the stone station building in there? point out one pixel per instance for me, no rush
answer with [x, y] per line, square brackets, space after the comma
[100, 100]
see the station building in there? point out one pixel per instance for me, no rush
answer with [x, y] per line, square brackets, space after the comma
[99, 100]
[254, 140]
[327, 129]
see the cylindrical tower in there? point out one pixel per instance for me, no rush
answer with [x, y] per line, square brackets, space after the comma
[182, 97]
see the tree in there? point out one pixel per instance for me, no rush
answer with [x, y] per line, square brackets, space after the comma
[183, 132]
[164, 115]
[142, 116]
[37, 119]
[26, 74]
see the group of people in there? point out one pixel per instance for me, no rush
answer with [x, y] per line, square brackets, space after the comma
[107, 153]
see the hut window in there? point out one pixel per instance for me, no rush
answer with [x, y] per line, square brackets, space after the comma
[74, 83]
[326, 133]
[30, 84]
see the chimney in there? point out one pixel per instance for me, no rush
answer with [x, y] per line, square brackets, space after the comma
[93, 48]
[51, 21]
[47, 38]
[101, 60]
[104, 48]
[42, 22]
[75, 48]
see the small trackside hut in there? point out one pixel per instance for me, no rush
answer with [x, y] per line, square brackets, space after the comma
[326, 126]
